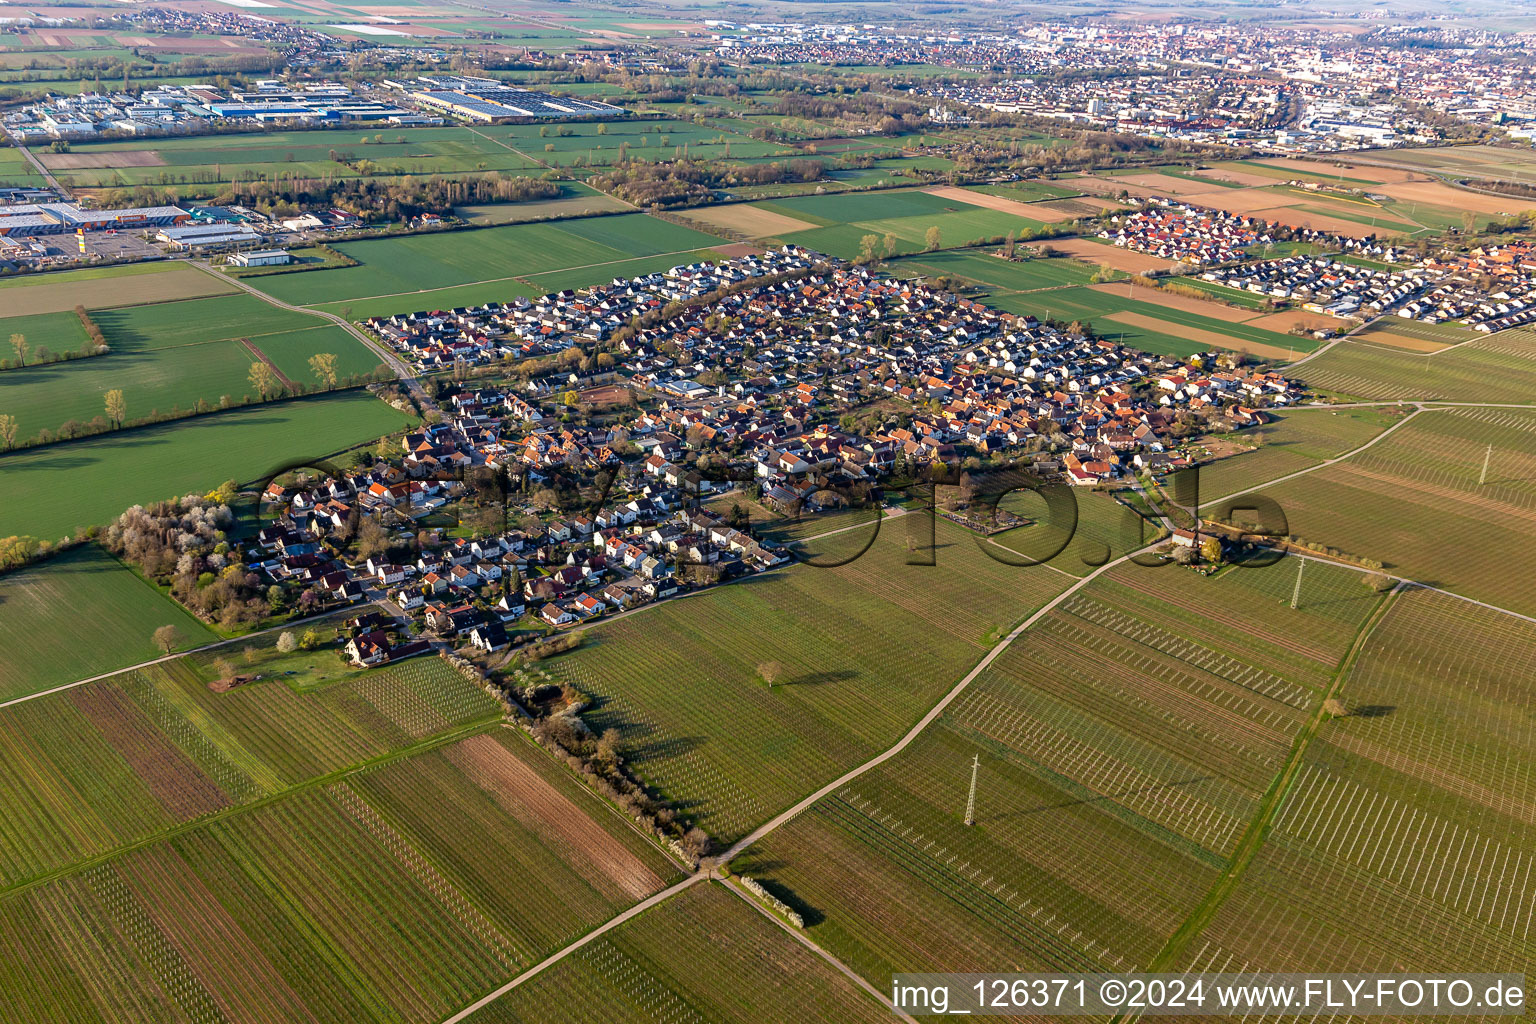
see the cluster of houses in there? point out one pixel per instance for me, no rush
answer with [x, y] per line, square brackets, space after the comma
[788, 358]
[525, 328]
[790, 363]
[1324, 284]
[1488, 288]
[1186, 234]
[469, 590]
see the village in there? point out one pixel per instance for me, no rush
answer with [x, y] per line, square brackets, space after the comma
[803, 384]
[1488, 288]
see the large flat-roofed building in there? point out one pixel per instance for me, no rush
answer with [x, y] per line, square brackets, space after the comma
[208, 236]
[262, 258]
[489, 101]
[62, 218]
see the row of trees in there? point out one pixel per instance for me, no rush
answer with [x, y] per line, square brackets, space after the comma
[264, 379]
[25, 355]
[265, 382]
[374, 199]
[686, 182]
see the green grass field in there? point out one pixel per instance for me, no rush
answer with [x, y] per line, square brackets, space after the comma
[171, 355]
[290, 352]
[998, 275]
[15, 170]
[44, 397]
[864, 648]
[211, 159]
[193, 321]
[48, 604]
[427, 262]
[577, 199]
[598, 144]
[54, 333]
[50, 491]
[101, 287]
[1029, 191]
[843, 219]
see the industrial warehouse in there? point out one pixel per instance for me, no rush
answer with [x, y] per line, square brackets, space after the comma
[30, 219]
[492, 102]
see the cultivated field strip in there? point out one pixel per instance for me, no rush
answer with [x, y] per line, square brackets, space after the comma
[1214, 727]
[900, 882]
[1105, 647]
[1216, 663]
[1302, 911]
[1444, 450]
[206, 739]
[173, 778]
[112, 763]
[240, 980]
[90, 968]
[402, 705]
[1501, 368]
[1453, 718]
[526, 847]
[643, 989]
[1415, 849]
[1405, 839]
[864, 649]
[1171, 795]
[156, 951]
[1046, 935]
[703, 955]
[1246, 614]
[408, 858]
[389, 929]
[518, 788]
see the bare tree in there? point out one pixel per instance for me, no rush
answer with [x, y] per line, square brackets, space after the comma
[696, 841]
[372, 538]
[771, 672]
[1335, 708]
[608, 746]
[20, 346]
[167, 638]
